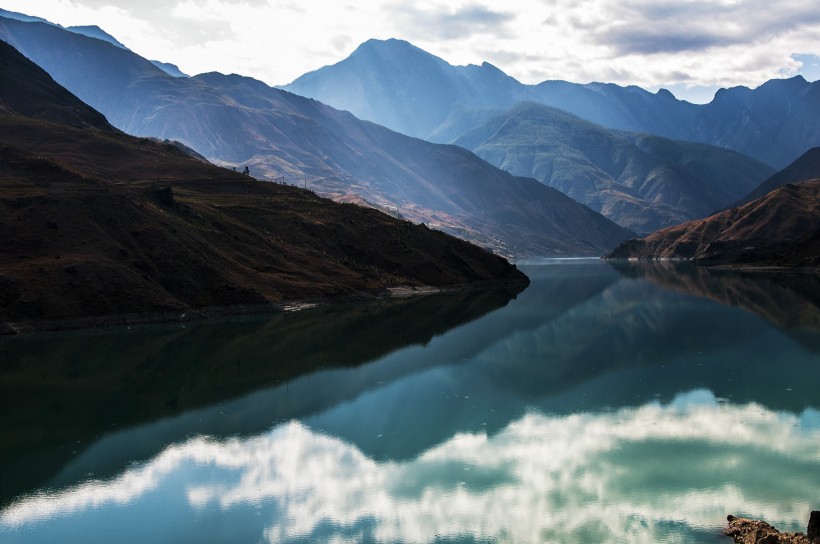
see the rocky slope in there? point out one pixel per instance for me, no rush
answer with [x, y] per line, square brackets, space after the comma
[641, 182]
[242, 122]
[780, 228]
[96, 223]
[750, 531]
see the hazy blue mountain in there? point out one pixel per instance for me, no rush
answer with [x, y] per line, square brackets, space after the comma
[240, 121]
[22, 17]
[402, 87]
[639, 181]
[775, 123]
[27, 91]
[407, 89]
[806, 167]
[170, 69]
[93, 31]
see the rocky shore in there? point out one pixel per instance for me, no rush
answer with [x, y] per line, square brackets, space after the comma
[750, 531]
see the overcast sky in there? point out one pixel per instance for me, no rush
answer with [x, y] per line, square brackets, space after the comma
[691, 47]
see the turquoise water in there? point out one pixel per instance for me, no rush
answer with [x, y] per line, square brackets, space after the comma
[595, 406]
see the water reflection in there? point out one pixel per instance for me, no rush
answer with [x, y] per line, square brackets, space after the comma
[62, 391]
[594, 407]
[788, 299]
[574, 478]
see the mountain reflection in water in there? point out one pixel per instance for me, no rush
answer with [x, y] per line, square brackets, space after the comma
[594, 407]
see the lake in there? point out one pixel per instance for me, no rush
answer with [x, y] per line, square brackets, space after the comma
[601, 404]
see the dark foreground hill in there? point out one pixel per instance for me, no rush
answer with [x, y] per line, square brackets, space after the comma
[96, 224]
[781, 228]
[242, 122]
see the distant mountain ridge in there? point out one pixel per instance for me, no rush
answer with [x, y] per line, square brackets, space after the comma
[398, 85]
[641, 182]
[240, 121]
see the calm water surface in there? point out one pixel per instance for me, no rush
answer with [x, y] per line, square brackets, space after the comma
[598, 405]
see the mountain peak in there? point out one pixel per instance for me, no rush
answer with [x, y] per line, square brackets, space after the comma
[390, 48]
[795, 83]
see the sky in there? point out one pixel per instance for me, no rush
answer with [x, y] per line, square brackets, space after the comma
[691, 47]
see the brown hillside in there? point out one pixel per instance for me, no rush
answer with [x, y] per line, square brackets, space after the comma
[780, 228]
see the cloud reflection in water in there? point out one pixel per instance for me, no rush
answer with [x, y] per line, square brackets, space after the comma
[652, 473]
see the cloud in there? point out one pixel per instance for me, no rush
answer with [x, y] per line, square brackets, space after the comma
[809, 66]
[650, 473]
[650, 27]
[696, 44]
[445, 23]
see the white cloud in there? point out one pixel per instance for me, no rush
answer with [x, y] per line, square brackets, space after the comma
[642, 474]
[690, 44]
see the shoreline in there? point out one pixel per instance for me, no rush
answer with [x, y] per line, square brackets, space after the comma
[719, 266]
[16, 328]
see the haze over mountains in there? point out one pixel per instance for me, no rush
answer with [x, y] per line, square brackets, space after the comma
[641, 182]
[407, 89]
[242, 121]
[608, 147]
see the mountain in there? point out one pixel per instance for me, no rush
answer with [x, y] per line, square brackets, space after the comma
[241, 122]
[96, 223]
[400, 86]
[93, 31]
[40, 97]
[170, 69]
[781, 228]
[806, 167]
[22, 17]
[774, 123]
[641, 182]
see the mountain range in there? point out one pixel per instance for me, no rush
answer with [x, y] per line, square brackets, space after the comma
[239, 121]
[640, 181]
[398, 85]
[97, 223]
